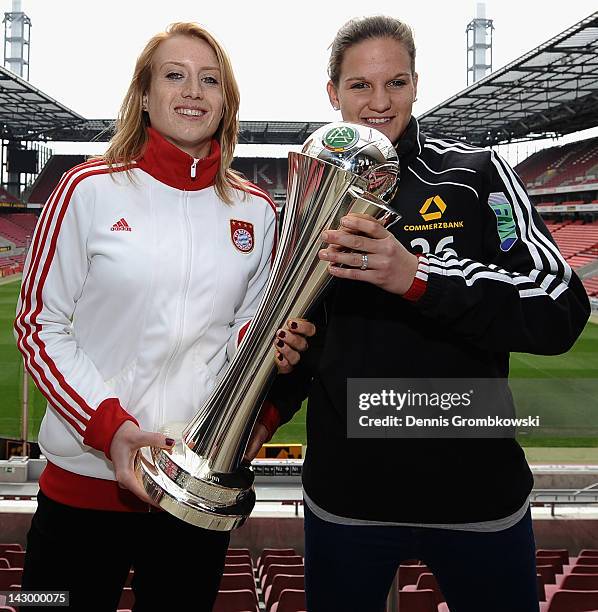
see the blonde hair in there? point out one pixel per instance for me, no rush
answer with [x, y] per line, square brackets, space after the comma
[131, 134]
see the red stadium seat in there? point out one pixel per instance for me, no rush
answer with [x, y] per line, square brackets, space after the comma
[409, 574]
[563, 553]
[291, 600]
[279, 584]
[274, 570]
[555, 561]
[548, 573]
[427, 582]
[585, 569]
[280, 552]
[234, 552]
[237, 582]
[587, 561]
[4, 563]
[541, 588]
[238, 568]
[278, 560]
[574, 582]
[236, 601]
[5, 547]
[589, 552]
[572, 601]
[127, 598]
[15, 558]
[8, 577]
[235, 559]
[418, 601]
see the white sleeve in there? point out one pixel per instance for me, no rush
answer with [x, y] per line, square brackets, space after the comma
[53, 280]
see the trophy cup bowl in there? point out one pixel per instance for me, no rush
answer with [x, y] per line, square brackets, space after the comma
[343, 168]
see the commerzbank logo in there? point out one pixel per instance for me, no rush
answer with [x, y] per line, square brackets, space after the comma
[340, 138]
[431, 212]
[433, 208]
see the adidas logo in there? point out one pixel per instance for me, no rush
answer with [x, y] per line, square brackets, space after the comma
[121, 226]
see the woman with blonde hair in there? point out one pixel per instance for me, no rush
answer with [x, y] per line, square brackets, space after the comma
[146, 267]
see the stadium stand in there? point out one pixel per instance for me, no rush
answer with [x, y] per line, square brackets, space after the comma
[577, 241]
[13, 232]
[50, 175]
[240, 591]
[571, 164]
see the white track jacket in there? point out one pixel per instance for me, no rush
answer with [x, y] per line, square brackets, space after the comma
[135, 293]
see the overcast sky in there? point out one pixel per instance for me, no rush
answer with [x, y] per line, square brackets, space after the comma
[83, 52]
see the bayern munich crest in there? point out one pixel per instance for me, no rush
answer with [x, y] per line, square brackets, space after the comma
[241, 233]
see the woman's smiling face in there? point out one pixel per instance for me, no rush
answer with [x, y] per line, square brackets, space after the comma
[376, 86]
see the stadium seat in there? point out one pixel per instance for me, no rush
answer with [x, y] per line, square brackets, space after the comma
[573, 582]
[15, 558]
[291, 600]
[274, 570]
[9, 576]
[242, 554]
[555, 561]
[232, 552]
[278, 560]
[548, 573]
[417, 601]
[563, 553]
[279, 584]
[5, 547]
[571, 601]
[4, 563]
[238, 568]
[426, 582]
[280, 552]
[127, 598]
[241, 558]
[409, 574]
[541, 588]
[240, 600]
[585, 569]
[586, 561]
[238, 582]
[589, 552]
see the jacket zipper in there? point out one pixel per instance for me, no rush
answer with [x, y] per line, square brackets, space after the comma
[181, 323]
[194, 168]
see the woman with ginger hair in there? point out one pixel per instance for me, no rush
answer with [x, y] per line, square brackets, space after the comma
[146, 267]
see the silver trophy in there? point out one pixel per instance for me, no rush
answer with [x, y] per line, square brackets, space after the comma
[342, 168]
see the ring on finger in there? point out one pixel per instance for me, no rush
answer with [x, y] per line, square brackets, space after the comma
[364, 262]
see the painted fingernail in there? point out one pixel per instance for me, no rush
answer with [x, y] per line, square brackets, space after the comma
[279, 357]
[169, 442]
[293, 325]
[280, 343]
[281, 334]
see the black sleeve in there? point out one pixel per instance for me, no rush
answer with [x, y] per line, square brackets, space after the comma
[290, 390]
[524, 297]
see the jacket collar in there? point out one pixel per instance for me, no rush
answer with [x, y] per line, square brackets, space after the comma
[175, 168]
[410, 144]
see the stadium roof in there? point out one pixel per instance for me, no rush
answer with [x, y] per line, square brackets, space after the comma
[26, 113]
[251, 132]
[550, 90]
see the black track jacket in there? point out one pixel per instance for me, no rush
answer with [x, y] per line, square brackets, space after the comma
[496, 283]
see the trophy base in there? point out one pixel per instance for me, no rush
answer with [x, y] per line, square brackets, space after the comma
[181, 483]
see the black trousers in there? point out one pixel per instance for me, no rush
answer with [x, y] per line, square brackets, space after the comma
[89, 553]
